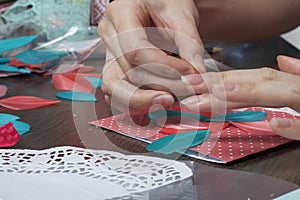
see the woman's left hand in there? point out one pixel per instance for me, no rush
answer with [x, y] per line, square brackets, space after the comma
[257, 87]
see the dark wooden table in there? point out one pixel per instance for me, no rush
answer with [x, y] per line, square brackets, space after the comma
[66, 124]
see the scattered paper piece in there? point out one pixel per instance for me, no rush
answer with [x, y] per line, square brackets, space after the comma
[76, 96]
[4, 60]
[15, 43]
[3, 90]
[71, 82]
[8, 135]
[177, 142]
[26, 102]
[96, 82]
[21, 127]
[12, 69]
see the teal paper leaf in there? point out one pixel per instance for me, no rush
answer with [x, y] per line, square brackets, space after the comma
[250, 116]
[96, 82]
[8, 117]
[39, 56]
[21, 127]
[178, 142]
[4, 60]
[15, 43]
[76, 96]
[11, 69]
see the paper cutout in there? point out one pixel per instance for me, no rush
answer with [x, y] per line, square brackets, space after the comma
[4, 60]
[8, 135]
[39, 57]
[15, 43]
[228, 144]
[76, 96]
[26, 102]
[71, 82]
[96, 82]
[3, 90]
[295, 194]
[177, 142]
[11, 69]
[21, 127]
[249, 116]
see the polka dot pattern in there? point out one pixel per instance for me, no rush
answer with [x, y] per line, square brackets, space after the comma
[227, 145]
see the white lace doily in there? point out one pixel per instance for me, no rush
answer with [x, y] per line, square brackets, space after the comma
[132, 173]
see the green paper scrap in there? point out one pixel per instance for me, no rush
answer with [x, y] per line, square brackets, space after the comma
[12, 69]
[250, 116]
[15, 43]
[76, 96]
[177, 142]
[96, 82]
[8, 117]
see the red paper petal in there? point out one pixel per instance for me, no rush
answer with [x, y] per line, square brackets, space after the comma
[262, 127]
[84, 69]
[71, 82]
[96, 75]
[3, 90]
[26, 102]
[8, 135]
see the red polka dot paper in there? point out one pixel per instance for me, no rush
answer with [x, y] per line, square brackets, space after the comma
[223, 146]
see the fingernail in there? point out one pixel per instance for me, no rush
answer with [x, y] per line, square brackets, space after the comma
[280, 123]
[194, 79]
[191, 101]
[227, 87]
[163, 100]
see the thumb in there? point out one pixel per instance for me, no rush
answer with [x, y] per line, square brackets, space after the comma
[289, 64]
[288, 128]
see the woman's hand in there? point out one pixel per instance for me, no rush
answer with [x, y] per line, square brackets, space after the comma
[257, 87]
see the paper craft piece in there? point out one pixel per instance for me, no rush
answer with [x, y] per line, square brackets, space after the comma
[71, 82]
[21, 127]
[290, 196]
[3, 90]
[178, 142]
[38, 57]
[76, 96]
[226, 143]
[11, 69]
[108, 170]
[26, 102]
[15, 43]
[96, 82]
[4, 60]
[8, 135]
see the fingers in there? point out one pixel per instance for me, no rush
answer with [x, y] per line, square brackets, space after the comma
[288, 128]
[289, 64]
[209, 103]
[125, 96]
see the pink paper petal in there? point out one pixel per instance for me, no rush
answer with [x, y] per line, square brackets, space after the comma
[3, 90]
[26, 102]
[71, 82]
[259, 127]
[96, 75]
[85, 69]
[8, 135]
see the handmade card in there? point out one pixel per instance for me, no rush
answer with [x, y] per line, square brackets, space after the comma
[228, 141]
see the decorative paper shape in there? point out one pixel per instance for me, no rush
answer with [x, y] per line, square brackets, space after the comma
[177, 142]
[21, 127]
[4, 60]
[37, 57]
[229, 144]
[8, 135]
[15, 43]
[290, 196]
[3, 90]
[133, 173]
[76, 96]
[11, 69]
[26, 102]
[96, 82]
[71, 82]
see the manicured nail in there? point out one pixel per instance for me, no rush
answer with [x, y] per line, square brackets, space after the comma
[194, 79]
[280, 123]
[163, 100]
[191, 101]
[227, 87]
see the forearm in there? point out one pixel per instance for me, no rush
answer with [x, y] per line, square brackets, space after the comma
[246, 20]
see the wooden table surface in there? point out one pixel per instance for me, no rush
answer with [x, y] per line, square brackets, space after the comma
[66, 124]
